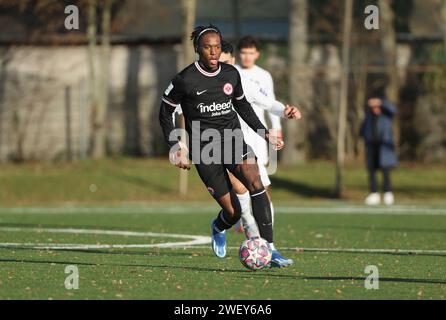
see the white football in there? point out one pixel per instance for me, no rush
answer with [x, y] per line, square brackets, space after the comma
[255, 253]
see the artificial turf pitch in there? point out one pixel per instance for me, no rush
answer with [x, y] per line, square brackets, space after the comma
[406, 244]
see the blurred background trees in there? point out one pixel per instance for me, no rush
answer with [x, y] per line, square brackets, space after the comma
[299, 88]
[119, 62]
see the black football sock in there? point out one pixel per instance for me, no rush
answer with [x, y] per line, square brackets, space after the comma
[261, 210]
[223, 221]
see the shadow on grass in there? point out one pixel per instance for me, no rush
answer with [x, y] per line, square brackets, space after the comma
[376, 252]
[161, 266]
[242, 273]
[391, 229]
[302, 188]
[437, 191]
[147, 253]
[414, 254]
[346, 278]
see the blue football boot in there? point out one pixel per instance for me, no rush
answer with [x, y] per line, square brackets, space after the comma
[278, 261]
[218, 241]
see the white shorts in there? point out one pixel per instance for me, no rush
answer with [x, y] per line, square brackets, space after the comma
[260, 148]
[258, 144]
[264, 175]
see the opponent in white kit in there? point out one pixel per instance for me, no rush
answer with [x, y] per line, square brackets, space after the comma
[259, 91]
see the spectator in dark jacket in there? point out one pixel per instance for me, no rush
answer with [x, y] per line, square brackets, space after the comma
[380, 149]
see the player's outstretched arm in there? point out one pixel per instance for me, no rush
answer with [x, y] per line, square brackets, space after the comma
[278, 108]
[275, 107]
[178, 150]
[285, 111]
[171, 102]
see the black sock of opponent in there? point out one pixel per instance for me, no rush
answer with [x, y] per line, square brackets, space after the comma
[261, 210]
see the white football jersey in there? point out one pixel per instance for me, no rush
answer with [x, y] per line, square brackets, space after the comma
[259, 91]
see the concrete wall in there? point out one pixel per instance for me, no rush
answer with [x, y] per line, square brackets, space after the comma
[34, 83]
[37, 84]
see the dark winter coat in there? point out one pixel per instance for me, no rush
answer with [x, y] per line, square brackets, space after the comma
[384, 133]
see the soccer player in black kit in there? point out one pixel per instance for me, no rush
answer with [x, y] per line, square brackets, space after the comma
[210, 94]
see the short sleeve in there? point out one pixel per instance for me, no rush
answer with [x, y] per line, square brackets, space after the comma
[175, 92]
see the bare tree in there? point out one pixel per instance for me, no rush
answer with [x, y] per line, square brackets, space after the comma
[388, 43]
[389, 46]
[236, 19]
[5, 57]
[188, 15]
[342, 120]
[99, 74]
[360, 87]
[443, 18]
[299, 85]
[104, 79]
[328, 109]
[93, 72]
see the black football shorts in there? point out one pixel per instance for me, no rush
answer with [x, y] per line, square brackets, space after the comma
[215, 175]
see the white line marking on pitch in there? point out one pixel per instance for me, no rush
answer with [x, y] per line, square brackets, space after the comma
[336, 210]
[352, 250]
[363, 210]
[195, 240]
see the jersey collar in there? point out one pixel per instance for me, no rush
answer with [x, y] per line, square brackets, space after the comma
[206, 73]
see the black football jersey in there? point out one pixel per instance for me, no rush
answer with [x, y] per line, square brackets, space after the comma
[209, 100]
[206, 97]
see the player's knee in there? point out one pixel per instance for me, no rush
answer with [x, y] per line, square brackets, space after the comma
[231, 213]
[232, 216]
[255, 184]
[237, 214]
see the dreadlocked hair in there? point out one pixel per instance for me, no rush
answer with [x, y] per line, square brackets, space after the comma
[227, 47]
[202, 30]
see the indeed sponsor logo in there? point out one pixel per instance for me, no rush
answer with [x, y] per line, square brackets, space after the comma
[214, 107]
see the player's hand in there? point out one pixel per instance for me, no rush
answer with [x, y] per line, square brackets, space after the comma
[291, 112]
[275, 138]
[179, 157]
